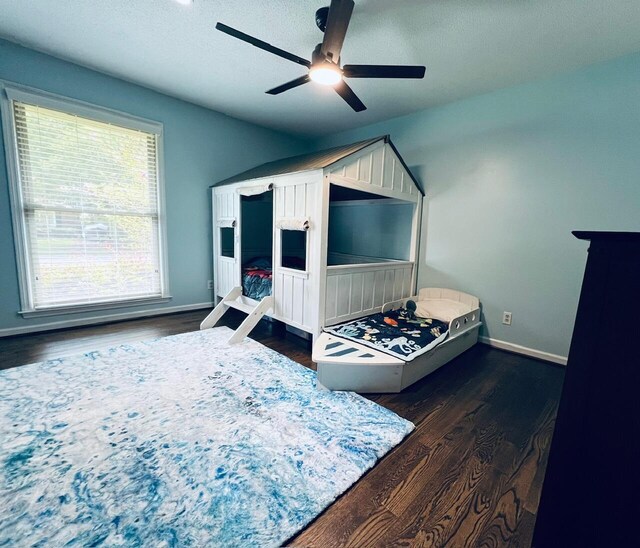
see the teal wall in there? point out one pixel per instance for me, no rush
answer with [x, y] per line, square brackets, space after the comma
[508, 175]
[200, 147]
[373, 230]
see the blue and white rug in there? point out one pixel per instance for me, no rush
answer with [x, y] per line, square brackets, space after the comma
[179, 441]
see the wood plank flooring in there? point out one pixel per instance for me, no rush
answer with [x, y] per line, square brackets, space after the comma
[470, 474]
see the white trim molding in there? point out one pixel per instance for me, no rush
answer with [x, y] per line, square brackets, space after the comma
[106, 318]
[524, 350]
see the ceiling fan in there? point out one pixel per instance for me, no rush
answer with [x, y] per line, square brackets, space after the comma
[324, 67]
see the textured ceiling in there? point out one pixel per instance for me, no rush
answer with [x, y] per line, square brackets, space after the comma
[468, 46]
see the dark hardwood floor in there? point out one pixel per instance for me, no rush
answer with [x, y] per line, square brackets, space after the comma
[470, 474]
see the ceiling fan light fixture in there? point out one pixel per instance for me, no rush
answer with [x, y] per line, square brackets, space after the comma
[326, 74]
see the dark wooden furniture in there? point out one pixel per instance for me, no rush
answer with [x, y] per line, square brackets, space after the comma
[591, 492]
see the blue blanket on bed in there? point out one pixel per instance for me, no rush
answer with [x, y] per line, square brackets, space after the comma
[394, 332]
[256, 284]
[256, 278]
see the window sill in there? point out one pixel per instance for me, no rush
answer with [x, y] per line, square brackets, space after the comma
[74, 309]
[304, 274]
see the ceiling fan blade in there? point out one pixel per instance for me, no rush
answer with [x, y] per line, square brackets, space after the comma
[262, 45]
[383, 71]
[351, 98]
[289, 85]
[337, 24]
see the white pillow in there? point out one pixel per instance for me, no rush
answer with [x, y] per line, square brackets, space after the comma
[444, 310]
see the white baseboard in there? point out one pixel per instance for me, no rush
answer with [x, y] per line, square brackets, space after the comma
[517, 349]
[50, 326]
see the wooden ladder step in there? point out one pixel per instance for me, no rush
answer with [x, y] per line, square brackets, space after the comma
[239, 305]
[254, 316]
[214, 316]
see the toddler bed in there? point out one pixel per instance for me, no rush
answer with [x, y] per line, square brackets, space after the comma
[388, 351]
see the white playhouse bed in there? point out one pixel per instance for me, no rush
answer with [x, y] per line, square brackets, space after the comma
[347, 365]
[304, 216]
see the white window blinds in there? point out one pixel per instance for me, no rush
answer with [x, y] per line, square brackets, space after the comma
[89, 201]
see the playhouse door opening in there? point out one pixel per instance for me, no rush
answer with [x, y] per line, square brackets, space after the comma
[257, 244]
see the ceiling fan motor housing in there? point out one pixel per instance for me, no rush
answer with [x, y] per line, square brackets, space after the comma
[321, 18]
[317, 57]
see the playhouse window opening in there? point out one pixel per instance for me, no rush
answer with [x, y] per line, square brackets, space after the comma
[368, 228]
[227, 238]
[294, 249]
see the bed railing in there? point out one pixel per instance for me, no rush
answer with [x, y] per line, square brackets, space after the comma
[458, 325]
[356, 290]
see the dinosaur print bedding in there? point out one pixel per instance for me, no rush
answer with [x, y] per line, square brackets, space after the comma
[397, 333]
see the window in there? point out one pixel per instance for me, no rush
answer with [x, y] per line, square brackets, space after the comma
[86, 201]
[227, 238]
[294, 249]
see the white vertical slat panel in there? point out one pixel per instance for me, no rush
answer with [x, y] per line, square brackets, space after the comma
[281, 296]
[313, 211]
[397, 284]
[300, 204]
[280, 201]
[287, 292]
[387, 168]
[298, 300]
[289, 200]
[377, 160]
[228, 204]
[357, 281]
[331, 310]
[364, 173]
[351, 170]
[277, 292]
[393, 171]
[368, 287]
[389, 280]
[378, 288]
[225, 271]
[343, 295]
[407, 289]
[398, 175]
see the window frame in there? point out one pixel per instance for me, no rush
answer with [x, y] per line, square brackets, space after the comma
[288, 269]
[10, 92]
[233, 242]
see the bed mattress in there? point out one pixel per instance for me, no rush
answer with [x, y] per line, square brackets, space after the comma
[396, 333]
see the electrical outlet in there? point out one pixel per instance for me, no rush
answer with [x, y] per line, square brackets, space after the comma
[210, 284]
[506, 318]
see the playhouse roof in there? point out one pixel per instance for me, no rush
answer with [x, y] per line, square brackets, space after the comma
[311, 161]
